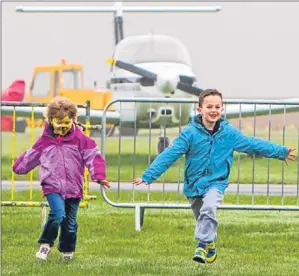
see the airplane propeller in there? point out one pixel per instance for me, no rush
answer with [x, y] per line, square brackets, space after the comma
[165, 82]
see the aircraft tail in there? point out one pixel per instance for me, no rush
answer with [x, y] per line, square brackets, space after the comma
[14, 93]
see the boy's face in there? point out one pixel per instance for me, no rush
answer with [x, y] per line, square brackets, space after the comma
[211, 108]
[62, 126]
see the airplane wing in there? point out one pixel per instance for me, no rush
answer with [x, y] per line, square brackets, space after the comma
[246, 108]
[240, 108]
[112, 117]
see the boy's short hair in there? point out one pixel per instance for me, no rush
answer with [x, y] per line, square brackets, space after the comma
[208, 92]
[60, 107]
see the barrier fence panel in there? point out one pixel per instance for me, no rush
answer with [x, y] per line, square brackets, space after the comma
[20, 109]
[255, 183]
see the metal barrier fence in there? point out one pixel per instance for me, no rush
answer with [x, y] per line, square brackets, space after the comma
[23, 109]
[127, 157]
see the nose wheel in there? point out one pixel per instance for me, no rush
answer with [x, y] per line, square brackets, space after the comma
[163, 143]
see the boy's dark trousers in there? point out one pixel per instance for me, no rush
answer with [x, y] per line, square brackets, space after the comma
[63, 213]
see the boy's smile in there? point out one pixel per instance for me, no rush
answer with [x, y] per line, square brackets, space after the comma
[211, 110]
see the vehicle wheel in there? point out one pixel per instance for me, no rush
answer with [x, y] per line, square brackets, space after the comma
[162, 144]
[21, 125]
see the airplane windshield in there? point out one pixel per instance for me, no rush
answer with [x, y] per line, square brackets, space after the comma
[71, 79]
[152, 48]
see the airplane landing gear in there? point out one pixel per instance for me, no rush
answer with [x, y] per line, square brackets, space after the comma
[163, 142]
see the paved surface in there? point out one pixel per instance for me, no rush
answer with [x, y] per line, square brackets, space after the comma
[244, 189]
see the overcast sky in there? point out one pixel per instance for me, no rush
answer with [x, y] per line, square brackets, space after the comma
[247, 50]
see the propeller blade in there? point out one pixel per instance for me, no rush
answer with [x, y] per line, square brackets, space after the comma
[132, 68]
[150, 75]
[189, 89]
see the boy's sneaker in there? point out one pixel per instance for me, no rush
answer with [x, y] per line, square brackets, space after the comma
[211, 252]
[67, 256]
[200, 253]
[43, 251]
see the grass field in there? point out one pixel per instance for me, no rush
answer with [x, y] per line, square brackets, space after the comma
[134, 158]
[251, 243]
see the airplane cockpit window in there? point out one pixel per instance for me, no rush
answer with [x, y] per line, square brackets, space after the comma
[156, 48]
[71, 79]
[41, 84]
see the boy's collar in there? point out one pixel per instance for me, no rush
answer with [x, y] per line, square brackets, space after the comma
[198, 119]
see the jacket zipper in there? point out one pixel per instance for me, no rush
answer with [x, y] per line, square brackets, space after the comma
[215, 135]
[61, 152]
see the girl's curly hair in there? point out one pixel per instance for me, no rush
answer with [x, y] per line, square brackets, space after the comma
[60, 107]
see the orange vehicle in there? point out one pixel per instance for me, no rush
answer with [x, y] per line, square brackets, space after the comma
[65, 80]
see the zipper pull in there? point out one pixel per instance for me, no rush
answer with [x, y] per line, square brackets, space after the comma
[59, 139]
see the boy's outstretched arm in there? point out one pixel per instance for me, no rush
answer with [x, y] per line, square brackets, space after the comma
[253, 145]
[164, 160]
[29, 159]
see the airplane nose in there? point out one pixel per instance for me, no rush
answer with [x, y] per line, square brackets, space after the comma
[167, 83]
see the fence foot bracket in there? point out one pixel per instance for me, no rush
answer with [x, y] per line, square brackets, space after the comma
[139, 217]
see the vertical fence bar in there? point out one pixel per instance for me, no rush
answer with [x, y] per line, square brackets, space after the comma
[149, 160]
[13, 146]
[118, 157]
[31, 142]
[134, 150]
[253, 156]
[239, 157]
[86, 173]
[179, 161]
[268, 169]
[164, 145]
[282, 163]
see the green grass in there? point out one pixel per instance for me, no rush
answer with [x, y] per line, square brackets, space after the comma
[127, 165]
[249, 242]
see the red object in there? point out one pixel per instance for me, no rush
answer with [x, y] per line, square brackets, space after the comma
[14, 93]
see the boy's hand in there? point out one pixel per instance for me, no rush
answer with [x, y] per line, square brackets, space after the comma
[291, 156]
[138, 181]
[105, 183]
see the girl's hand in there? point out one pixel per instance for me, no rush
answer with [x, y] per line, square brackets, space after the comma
[291, 156]
[105, 183]
[138, 181]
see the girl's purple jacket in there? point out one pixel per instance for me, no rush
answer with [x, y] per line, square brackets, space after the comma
[62, 161]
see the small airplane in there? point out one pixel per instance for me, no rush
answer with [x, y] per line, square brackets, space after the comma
[151, 67]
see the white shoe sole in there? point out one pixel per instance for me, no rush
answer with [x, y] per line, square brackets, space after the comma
[38, 256]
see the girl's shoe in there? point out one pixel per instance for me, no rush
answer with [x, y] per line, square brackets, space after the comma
[67, 256]
[43, 252]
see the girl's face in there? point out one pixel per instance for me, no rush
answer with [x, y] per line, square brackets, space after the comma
[211, 109]
[62, 126]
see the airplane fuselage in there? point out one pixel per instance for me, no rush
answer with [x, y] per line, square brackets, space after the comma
[155, 115]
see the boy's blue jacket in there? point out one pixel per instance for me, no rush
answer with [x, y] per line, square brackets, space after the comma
[209, 157]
